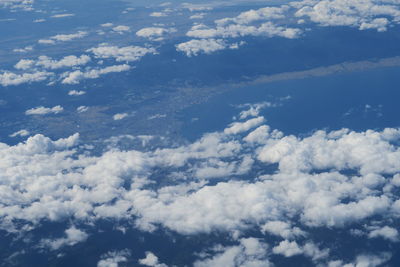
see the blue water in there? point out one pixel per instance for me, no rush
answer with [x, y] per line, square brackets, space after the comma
[358, 100]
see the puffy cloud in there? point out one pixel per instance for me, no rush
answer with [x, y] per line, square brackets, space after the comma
[9, 78]
[120, 116]
[20, 133]
[76, 76]
[151, 260]
[49, 63]
[121, 29]
[63, 37]
[287, 248]
[385, 232]
[362, 260]
[249, 252]
[283, 229]
[154, 33]
[127, 53]
[81, 109]
[76, 93]
[72, 237]
[23, 50]
[113, 258]
[239, 127]
[364, 14]
[207, 46]
[53, 180]
[267, 29]
[43, 110]
[26, 5]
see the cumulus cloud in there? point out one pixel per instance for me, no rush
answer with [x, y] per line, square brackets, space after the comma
[113, 258]
[76, 76]
[72, 237]
[20, 133]
[308, 188]
[44, 111]
[154, 33]
[120, 116]
[249, 252]
[49, 63]
[63, 37]
[9, 78]
[121, 29]
[127, 53]
[364, 14]
[151, 260]
[206, 46]
[385, 232]
[76, 93]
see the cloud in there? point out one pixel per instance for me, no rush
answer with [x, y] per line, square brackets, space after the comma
[48, 63]
[206, 46]
[239, 127]
[158, 14]
[281, 185]
[120, 116]
[63, 37]
[113, 258]
[9, 78]
[76, 93]
[76, 76]
[20, 133]
[385, 232]
[127, 53]
[151, 260]
[44, 111]
[154, 33]
[121, 29]
[249, 252]
[23, 50]
[365, 14]
[72, 237]
[64, 15]
[81, 109]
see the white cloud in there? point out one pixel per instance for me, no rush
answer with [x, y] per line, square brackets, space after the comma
[9, 78]
[288, 248]
[64, 15]
[21, 133]
[106, 25]
[207, 46]
[249, 252]
[52, 180]
[43, 110]
[151, 260]
[72, 237]
[48, 63]
[121, 29]
[23, 50]
[76, 93]
[127, 53]
[63, 37]
[81, 109]
[113, 258]
[76, 76]
[158, 14]
[364, 14]
[239, 127]
[120, 116]
[385, 232]
[154, 33]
